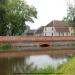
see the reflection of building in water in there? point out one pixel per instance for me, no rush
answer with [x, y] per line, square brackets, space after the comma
[55, 28]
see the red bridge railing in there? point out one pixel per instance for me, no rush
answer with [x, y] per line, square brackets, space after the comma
[16, 39]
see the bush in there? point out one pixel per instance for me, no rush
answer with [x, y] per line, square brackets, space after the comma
[5, 46]
[43, 71]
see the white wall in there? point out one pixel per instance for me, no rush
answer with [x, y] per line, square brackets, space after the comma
[48, 31]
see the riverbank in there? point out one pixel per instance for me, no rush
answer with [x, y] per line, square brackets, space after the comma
[67, 68]
[4, 47]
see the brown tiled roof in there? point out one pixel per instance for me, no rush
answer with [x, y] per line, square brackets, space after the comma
[40, 30]
[60, 26]
[50, 24]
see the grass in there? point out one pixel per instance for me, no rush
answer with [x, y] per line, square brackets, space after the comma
[67, 68]
[43, 71]
[5, 46]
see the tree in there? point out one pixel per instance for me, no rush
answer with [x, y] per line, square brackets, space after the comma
[3, 27]
[70, 19]
[17, 13]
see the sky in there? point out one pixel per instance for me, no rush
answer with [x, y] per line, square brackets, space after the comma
[48, 10]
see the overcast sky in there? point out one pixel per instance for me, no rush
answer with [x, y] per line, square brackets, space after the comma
[48, 10]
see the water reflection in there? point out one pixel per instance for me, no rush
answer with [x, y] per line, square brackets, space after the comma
[13, 65]
[45, 60]
[5, 66]
[10, 66]
[23, 65]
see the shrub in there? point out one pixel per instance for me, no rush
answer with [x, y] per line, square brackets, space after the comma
[5, 46]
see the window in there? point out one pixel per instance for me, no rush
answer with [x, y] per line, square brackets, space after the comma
[52, 28]
[45, 29]
[67, 33]
[59, 33]
[52, 34]
[63, 34]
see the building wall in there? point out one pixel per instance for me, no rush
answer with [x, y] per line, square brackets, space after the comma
[50, 31]
[47, 31]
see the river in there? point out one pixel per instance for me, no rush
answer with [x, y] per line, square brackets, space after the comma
[45, 60]
[10, 66]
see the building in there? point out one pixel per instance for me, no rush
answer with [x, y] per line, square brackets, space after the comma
[31, 32]
[55, 28]
[39, 31]
[28, 31]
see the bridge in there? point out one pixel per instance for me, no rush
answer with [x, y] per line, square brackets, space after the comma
[39, 40]
[16, 39]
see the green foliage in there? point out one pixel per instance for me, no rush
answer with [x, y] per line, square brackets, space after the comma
[3, 27]
[67, 68]
[5, 47]
[13, 16]
[70, 19]
[43, 71]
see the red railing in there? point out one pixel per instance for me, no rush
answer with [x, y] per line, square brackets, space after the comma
[16, 39]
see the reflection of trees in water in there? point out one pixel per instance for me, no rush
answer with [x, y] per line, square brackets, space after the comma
[13, 66]
[20, 65]
[5, 66]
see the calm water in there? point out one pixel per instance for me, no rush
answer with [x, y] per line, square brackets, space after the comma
[21, 65]
[45, 60]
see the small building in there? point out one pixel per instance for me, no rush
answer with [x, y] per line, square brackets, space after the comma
[55, 28]
[31, 32]
[28, 31]
[39, 31]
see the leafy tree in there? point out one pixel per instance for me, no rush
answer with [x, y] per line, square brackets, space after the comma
[3, 27]
[70, 19]
[16, 14]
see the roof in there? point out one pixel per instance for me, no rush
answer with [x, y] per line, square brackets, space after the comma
[40, 30]
[60, 26]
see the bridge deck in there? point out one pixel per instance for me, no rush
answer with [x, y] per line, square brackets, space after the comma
[12, 39]
[16, 39]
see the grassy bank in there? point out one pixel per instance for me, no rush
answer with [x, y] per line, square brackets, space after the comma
[67, 68]
[43, 71]
[4, 47]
